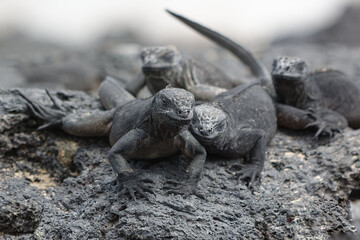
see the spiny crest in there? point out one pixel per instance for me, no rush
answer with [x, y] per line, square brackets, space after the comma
[178, 96]
[160, 54]
[287, 63]
[209, 114]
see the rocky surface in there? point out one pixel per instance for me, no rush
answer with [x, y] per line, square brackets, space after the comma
[54, 186]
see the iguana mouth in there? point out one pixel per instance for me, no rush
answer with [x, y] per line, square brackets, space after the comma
[155, 70]
[181, 120]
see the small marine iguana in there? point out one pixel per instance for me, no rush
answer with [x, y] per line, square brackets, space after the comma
[237, 123]
[325, 99]
[150, 128]
[165, 65]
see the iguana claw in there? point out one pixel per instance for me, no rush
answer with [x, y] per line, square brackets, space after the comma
[184, 188]
[130, 183]
[52, 117]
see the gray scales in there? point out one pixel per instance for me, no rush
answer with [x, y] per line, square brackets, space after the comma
[164, 65]
[156, 127]
[325, 100]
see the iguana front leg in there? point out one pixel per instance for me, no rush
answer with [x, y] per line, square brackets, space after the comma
[251, 142]
[204, 92]
[327, 122]
[192, 149]
[127, 179]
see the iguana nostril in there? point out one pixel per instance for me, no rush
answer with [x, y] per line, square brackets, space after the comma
[183, 112]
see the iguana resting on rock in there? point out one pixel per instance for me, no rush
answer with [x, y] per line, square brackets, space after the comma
[237, 123]
[165, 65]
[150, 128]
[325, 99]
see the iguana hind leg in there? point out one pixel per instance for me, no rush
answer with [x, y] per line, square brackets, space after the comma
[325, 121]
[83, 124]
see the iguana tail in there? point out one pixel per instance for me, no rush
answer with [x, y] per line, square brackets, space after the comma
[242, 53]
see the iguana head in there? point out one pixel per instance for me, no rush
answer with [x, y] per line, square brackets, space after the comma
[288, 74]
[289, 68]
[173, 106]
[208, 123]
[161, 66]
[159, 59]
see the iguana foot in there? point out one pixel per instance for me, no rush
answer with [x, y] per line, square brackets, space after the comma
[131, 183]
[249, 173]
[51, 116]
[326, 123]
[185, 188]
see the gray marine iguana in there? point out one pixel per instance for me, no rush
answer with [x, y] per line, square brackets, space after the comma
[165, 65]
[155, 127]
[237, 123]
[325, 99]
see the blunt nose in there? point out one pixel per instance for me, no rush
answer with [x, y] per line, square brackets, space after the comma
[184, 112]
[205, 130]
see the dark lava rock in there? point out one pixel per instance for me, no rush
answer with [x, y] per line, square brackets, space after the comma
[303, 194]
[20, 207]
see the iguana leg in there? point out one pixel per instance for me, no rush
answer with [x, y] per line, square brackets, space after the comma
[192, 149]
[88, 124]
[91, 123]
[250, 142]
[136, 84]
[129, 181]
[327, 122]
[203, 92]
[112, 94]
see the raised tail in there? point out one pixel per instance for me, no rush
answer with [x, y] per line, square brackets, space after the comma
[242, 53]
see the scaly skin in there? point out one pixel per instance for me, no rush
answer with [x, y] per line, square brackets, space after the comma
[325, 99]
[163, 66]
[239, 51]
[150, 128]
[237, 123]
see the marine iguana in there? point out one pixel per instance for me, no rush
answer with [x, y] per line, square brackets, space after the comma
[235, 124]
[165, 65]
[325, 99]
[150, 128]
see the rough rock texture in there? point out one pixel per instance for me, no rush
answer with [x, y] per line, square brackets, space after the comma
[64, 188]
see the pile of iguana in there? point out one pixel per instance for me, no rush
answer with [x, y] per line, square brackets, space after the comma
[324, 99]
[155, 127]
[235, 123]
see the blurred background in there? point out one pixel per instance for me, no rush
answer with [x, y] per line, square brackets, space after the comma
[70, 44]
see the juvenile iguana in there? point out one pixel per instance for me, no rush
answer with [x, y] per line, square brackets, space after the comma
[165, 65]
[237, 123]
[150, 128]
[325, 99]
